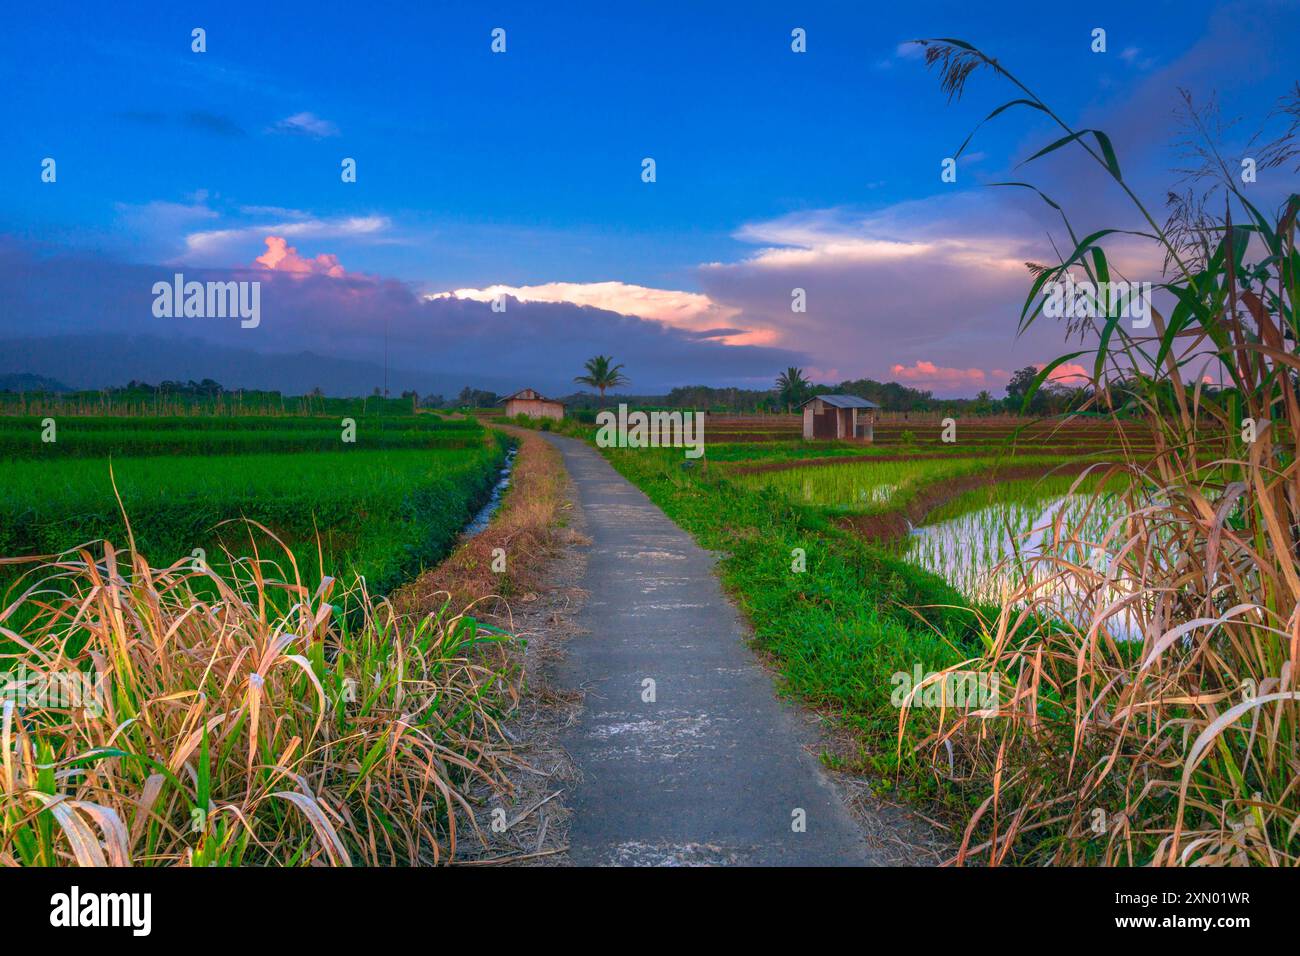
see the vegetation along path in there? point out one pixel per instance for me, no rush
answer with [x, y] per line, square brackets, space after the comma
[704, 765]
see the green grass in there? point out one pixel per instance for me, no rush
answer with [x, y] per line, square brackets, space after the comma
[1006, 495]
[100, 436]
[26, 424]
[382, 514]
[757, 452]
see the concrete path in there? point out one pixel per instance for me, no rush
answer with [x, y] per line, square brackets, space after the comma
[712, 769]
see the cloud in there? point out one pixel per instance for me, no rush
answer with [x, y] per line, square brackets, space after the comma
[306, 124]
[1133, 56]
[202, 120]
[279, 212]
[942, 278]
[907, 50]
[353, 317]
[213, 123]
[282, 257]
[682, 310]
[927, 374]
[214, 242]
[154, 226]
[1069, 373]
[202, 230]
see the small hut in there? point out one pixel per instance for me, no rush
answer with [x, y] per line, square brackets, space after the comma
[530, 402]
[842, 417]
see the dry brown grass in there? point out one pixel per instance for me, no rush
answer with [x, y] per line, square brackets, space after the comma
[535, 598]
[527, 527]
[246, 719]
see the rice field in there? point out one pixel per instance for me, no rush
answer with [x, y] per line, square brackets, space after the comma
[875, 487]
[981, 540]
[983, 543]
[381, 501]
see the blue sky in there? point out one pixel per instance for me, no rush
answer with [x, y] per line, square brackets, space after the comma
[523, 169]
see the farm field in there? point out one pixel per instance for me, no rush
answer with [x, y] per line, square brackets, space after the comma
[873, 442]
[867, 487]
[963, 511]
[962, 516]
[382, 505]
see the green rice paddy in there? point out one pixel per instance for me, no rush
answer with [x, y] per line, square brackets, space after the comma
[876, 487]
[383, 505]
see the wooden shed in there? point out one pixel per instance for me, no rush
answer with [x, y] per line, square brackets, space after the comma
[530, 402]
[839, 417]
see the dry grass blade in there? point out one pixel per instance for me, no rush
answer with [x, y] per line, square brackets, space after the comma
[204, 696]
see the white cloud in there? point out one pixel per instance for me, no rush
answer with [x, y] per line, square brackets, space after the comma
[925, 374]
[683, 310]
[216, 240]
[306, 124]
[907, 50]
[278, 212]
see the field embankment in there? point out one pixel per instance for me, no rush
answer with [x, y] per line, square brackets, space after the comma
[520, 575]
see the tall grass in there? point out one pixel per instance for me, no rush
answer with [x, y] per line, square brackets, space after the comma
[223, 732]
[1179, 748]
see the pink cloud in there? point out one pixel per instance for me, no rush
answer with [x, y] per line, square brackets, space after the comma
[927, 373]
[1071, 373]
[282, 257]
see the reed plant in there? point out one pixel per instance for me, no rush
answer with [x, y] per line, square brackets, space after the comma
[1177, 746]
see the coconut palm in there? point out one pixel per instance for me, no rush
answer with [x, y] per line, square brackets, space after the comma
[602, 375]
[792, 387]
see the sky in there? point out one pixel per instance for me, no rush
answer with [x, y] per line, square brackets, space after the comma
[482, 173]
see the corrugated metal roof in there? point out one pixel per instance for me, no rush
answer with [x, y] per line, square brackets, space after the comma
[529, 395]
[843, 401]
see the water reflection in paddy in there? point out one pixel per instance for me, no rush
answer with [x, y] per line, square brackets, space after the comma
[976, 551]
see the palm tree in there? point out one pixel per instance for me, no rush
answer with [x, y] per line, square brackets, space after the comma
[791, 387]
[601, 375]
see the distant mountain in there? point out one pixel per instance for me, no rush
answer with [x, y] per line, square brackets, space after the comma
[102, 360]
[27, 382]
